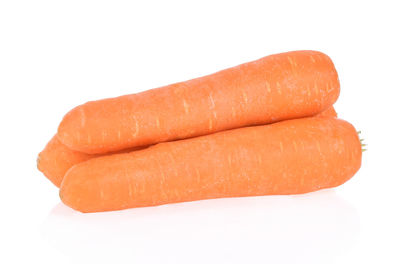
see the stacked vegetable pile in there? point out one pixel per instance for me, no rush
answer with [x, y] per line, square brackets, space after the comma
[260, 128]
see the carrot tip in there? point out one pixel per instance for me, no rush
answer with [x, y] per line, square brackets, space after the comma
[38, 161]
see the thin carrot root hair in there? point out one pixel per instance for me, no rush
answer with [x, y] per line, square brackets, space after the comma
[363, 144]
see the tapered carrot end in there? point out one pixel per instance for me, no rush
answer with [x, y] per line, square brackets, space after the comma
[46, 163]
[56, 159]
[78, 197]
[45, 166]
[78, 191]
[70, 193]
[84, 128]
[69, 130]
[38, 161]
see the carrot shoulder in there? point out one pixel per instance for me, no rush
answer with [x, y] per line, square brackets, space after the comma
[277, 87]
[288, 157]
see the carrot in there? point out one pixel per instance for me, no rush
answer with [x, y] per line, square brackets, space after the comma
[55, 160]
[277, 87]
[330, 112]
[288, 157]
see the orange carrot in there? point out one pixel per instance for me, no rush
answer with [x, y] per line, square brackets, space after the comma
[277, 87]
[288, 157]
[330, 112]
[56, 159]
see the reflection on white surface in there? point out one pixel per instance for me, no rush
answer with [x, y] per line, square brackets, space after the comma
[310, 228]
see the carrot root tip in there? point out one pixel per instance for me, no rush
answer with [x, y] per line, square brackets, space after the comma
[38, 161]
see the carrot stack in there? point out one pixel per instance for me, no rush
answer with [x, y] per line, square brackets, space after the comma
[56, 159]
[260, 128]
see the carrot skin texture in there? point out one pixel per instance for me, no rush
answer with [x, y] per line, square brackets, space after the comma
[288, 157]
[56, 159]
[274, 88]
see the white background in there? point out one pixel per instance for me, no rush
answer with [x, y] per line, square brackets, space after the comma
[55, 55]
